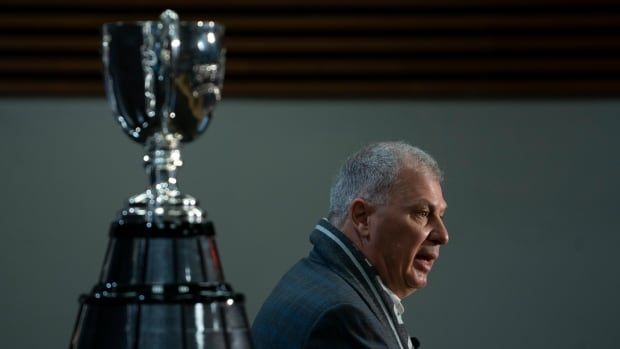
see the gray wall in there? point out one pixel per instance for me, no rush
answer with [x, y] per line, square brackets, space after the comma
[532, 189]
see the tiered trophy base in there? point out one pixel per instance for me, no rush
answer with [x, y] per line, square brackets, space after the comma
[161, 288]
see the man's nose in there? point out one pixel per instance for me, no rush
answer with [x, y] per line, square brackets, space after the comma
[440, 233]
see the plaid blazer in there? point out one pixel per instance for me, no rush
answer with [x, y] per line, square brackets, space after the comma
[330, 299]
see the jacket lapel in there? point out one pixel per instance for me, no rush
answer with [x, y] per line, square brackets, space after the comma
[339, 254]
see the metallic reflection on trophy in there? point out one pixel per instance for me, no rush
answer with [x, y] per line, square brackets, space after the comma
[161, 283]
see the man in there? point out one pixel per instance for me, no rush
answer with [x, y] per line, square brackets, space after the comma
[376, 247]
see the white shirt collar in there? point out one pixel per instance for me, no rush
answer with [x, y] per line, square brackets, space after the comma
[399, 310]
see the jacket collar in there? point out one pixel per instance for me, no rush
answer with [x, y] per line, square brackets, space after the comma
[334, 249]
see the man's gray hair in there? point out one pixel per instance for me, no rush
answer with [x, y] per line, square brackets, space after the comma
[371, 172]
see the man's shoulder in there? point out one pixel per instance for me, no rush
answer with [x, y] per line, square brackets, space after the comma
[302, 296]
[310, 281]
[310, 287]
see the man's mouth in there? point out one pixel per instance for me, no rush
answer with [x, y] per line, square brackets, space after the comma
[424, 260]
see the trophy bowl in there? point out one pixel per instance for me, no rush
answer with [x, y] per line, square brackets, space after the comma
[163, 76]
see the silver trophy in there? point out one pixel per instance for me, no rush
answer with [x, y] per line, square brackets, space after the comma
[163, 80]
[161, 283]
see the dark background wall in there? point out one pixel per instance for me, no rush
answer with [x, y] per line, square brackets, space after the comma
[532, 189]
[338, 48]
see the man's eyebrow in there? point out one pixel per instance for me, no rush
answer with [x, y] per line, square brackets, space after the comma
[419, 202]
[423, 201]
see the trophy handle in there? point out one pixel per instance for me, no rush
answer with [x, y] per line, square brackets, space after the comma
[169, 57]
[162, 69]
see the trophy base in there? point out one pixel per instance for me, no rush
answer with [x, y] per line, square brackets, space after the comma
[162, 208]
[161, 287]
[171, 321]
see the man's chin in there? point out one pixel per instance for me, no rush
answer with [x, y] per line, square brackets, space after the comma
[418, 281]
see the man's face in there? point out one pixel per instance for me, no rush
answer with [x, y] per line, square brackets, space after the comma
[406, 232]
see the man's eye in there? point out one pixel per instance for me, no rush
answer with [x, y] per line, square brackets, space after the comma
[423, 214]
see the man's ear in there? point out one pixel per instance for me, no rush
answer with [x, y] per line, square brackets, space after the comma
[360, 211]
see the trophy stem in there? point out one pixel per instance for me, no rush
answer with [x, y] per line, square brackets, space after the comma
[163, 201]
[161, 161]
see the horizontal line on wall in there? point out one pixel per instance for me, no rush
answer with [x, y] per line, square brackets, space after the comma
[326, 22]
[454, 56]
[508, 76]
[339, 67]
[152, 11]
[342, 44]
[353, 34]
[377, 89]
